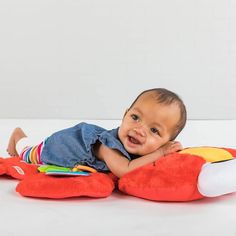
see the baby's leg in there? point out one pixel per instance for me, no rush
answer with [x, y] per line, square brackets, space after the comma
[21, 145]
[217, 179]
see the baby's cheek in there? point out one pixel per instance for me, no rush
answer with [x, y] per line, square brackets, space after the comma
[153, 145]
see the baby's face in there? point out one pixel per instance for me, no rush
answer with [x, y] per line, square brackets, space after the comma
[148, 125]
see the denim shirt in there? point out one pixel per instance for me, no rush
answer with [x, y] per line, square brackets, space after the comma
[74, 145]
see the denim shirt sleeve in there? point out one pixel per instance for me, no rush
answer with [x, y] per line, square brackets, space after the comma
[110, 139]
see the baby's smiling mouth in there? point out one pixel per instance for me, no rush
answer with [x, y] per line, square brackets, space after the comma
[133, 140]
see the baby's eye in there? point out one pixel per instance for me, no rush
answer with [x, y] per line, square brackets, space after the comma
[134, 117]
[155, 131]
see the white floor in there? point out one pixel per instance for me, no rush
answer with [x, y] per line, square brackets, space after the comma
[118, 214]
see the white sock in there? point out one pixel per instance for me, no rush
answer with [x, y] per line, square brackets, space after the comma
[217, 179]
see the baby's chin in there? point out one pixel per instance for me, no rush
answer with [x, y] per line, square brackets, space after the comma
[137, 153]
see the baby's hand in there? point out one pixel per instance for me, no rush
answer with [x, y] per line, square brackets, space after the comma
[170, 147]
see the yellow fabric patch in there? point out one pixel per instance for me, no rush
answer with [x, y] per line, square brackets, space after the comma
[210, 154]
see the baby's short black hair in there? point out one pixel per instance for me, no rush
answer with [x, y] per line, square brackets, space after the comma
[167, 97]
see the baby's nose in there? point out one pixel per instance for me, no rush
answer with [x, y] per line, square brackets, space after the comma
[140, 131]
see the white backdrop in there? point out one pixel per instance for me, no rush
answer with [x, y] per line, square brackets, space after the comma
[88, 59]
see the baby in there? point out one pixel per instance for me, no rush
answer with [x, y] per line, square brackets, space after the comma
[147, 132]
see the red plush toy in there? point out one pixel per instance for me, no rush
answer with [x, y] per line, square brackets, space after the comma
[173, 177]
[35, 184]
[16, 168]
[43, 186]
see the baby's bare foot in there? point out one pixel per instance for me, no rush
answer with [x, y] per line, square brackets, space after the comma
[16, 135]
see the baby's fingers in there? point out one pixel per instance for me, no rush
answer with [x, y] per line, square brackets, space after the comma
[176, 146]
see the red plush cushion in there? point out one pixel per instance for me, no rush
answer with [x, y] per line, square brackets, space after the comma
[43, 186]
[171, 178]
[14, 167]
[2, 167]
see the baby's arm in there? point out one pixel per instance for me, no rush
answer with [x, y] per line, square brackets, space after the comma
[120, 165]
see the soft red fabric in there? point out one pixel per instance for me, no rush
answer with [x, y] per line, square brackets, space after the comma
[35, 184]
[43, 186]
[16, 168]
[2, 167]
[171, 178]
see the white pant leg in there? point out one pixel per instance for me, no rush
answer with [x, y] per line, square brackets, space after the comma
[22, 143]
[217, 179]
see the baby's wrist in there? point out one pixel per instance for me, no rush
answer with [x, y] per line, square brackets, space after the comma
[160, 152]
